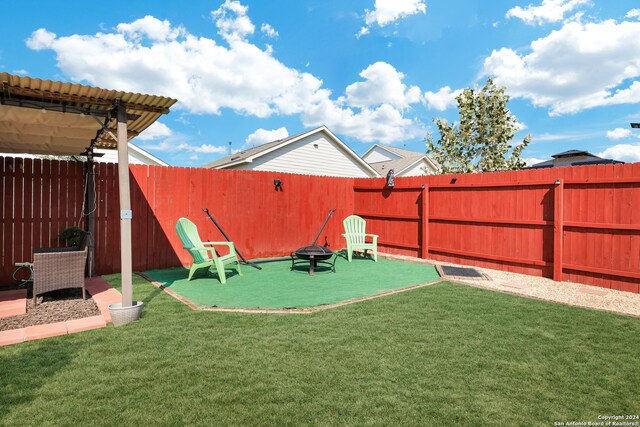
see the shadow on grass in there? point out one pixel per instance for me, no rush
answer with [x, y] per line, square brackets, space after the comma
[152, 295]
[27, 367]
[173, 275]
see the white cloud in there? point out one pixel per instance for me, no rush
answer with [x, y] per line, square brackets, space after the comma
[624, 152]
[633, 13]
[232, 21]
[207, 77]
[203, 75]
[261, 136]
[203, 148]
[549, 11]
[569, 136]
[176, 146]
[384, 124]
[386, 12]
[442, 99]
[269, 31]
[530, 161]
[579, 66]
[618, 133]
[150, 27]
[163, 139]
[41, 39]
[520, 126]
[383, 84]
[363, 31]
[157, 130]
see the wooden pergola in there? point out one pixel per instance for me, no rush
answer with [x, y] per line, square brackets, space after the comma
[69, 119]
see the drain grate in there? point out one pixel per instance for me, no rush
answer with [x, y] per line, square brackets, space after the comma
[460, 272]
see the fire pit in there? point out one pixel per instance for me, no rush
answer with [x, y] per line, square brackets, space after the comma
[315, 254]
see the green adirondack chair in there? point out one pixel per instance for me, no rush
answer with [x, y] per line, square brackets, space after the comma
[200, 251]
[355, 235]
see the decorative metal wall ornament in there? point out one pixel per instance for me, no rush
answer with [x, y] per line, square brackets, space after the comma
[390, 178]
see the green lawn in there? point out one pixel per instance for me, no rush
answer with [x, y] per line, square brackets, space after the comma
[442, 355]
[276, 286]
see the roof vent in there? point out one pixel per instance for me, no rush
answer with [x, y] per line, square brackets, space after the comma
[235, 157]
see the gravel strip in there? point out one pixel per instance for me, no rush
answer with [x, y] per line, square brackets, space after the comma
[542, 288]
[53, 307]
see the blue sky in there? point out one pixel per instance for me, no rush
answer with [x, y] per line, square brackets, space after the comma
[373, 71]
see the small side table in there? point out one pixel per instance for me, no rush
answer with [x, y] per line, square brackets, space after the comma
[19, 267]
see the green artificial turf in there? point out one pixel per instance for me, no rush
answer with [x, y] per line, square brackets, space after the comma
[276, 286]
[441, 355]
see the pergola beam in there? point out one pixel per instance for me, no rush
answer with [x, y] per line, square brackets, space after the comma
[59, 108]
[20, 92]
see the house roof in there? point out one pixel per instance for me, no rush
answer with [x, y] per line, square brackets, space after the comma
[249, 153]
[407, 159]
[572, 153]
[593, 160]
[61, 118]
[247, 156]
[597, 161]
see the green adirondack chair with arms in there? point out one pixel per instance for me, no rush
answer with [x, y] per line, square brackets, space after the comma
[204, 253]
[356, 236]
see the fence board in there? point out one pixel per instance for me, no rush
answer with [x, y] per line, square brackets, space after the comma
[7, 216]
[27, 211]
[18, 203]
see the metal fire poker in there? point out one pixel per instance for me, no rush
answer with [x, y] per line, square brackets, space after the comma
[205, 210]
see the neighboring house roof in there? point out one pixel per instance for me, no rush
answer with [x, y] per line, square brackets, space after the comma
[571, 153]
[407, 159]
[583, 158]
[249, 155]
[136, 155]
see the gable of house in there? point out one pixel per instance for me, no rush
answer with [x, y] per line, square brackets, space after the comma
[418, 168]
[379, 154]
[315, 152]
[403, 162]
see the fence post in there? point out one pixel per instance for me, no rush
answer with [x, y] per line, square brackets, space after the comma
[558, 229]
[425, 222]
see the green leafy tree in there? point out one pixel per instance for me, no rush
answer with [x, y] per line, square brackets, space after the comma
[481, 141]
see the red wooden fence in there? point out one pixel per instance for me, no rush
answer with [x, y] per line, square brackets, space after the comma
[580, 224]
[39, 199]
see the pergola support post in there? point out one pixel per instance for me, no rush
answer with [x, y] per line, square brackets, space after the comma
[125, 207]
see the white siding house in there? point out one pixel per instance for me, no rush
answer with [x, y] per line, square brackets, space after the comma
[137, 156]
[383, 158]
[314, 152]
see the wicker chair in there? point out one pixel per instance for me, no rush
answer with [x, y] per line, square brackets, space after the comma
[59, 268]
